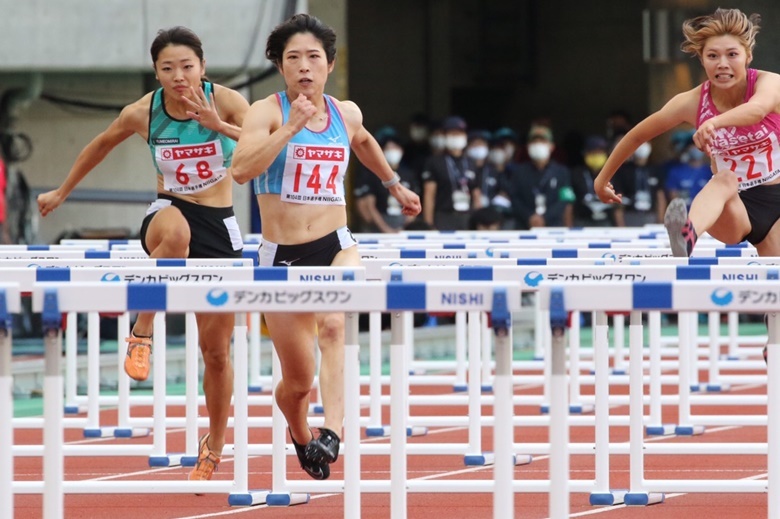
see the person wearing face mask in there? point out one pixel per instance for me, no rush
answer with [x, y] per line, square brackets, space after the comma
[379, 211]
[491, 181]
[589, 211]
[644, 199]
[540, 189]
[451, 188]
[686, 179]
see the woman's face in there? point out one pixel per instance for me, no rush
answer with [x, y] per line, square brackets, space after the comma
[725, 61]
[178, 68]
[305, 65]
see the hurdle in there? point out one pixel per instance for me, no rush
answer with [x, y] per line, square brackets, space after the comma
[52, 298]
[691, 296]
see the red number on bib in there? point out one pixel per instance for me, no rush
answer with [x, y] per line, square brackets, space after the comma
[331, 184]
[751, 173]
[203, 170]
[314, 180]
[181, 176]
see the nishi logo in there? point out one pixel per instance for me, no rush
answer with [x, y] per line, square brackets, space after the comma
[532, 279]
[110, 277]
[722, 296]
[217, 297]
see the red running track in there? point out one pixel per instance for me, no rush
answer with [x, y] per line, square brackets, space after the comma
[420, 506]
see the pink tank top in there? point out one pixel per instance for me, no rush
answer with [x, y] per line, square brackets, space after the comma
[752, 152]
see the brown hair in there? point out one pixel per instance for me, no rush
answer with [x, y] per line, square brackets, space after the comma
[722, 22]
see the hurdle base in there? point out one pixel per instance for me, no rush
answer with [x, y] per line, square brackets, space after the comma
[581, 408]
[417, 371]
[189, 461]
[251, 498]
[74, 409]
[100, 432]
[523, 459]
[383, 431]
[255, 389]
[717, 388]
[487, 388]
[316, 409]
[611, 498]
[171, 460]
[460, 388]
[132, 432]
[489, 458]
[689, 430]
[660, 430]
[618, 371]
[286, 499]
[643, 498]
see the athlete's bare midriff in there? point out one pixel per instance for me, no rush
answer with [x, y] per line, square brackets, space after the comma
[217, 195]
[287, 223]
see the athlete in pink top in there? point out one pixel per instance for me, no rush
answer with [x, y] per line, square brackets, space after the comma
[737, 116]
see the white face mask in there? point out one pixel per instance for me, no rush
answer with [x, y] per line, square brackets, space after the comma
[477, 152]
[497, 156]
[510, 151]
[539, 151]
[456, 142]
[437, 142]
[643, 151]
[393, 156]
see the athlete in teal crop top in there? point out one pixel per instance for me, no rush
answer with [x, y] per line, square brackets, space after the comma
[191, 127]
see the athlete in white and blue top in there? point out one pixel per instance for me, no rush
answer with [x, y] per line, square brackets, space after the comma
[295, 146]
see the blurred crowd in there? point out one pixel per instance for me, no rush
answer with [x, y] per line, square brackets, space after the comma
[501, 179]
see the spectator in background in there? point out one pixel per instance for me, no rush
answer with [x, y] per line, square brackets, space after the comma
[618, 124]
[589, 211]
[506, 138]
[540, 189]
[644, 199]
[485, 219]
[499, 161]
[417, 148]
[379, 210]
[491, 181]
[450, 185]
[687, 178]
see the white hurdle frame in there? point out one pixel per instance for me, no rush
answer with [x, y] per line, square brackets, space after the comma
[682, 296]
[52, 298]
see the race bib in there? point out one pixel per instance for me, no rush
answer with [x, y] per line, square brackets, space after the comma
[190, 168]
[314, 174]
[754, 163]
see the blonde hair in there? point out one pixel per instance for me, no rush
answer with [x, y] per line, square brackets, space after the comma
[732, 22]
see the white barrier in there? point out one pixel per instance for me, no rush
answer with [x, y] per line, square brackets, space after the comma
[681, 296]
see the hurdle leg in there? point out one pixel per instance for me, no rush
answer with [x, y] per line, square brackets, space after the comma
[93, 430]
[160, 457]
[559, 425]
[71, 364]
[503, 430]
[773, 415]
[399, 405]
[713, 382]
[53, 434]
[475, 455]
[486, 340]
[191, 383]
[352, 417]
[575, 406]
[636, 495]
[241, 495]
[539, 326]
[619, 339]
[375, 427]
[123, 428]
[546, 369]
[460, 352]
[733, 320]
[684, 426]
[6, 426]
[602, 495]
[255, 333]
[656, 426]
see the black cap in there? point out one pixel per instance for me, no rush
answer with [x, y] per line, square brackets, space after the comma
[454, 123]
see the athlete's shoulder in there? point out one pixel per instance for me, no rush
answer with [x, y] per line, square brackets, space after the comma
[135, 116]
[349, 111]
